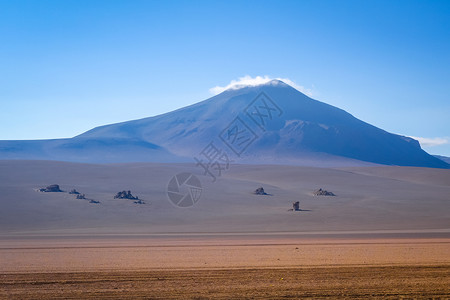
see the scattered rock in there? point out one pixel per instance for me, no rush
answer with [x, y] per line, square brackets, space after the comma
[74, 192]
[94, 201]
[296, 206]
[81, 196]
[321, 192]
[125, 195]
[51, 189]
[139, 202]
[260, 191]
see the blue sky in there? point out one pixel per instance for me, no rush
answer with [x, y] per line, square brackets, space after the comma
[68, 66]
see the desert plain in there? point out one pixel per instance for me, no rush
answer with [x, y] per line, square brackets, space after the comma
[385, 234]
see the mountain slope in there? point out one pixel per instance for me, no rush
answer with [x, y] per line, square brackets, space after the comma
[301, 126]
[86, 150]
[444, 158]
[269, 123]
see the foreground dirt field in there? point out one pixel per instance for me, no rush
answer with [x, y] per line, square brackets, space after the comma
[240, 267]
[317, 282]
[146, 254]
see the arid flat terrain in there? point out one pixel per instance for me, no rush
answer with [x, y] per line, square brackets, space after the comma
[367, 199]
[386, 233]
[268, 283]
[227, 266]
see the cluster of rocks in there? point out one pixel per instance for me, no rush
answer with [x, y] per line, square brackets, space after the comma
[296, 204]
[80, 196]
[128, 195]
[125, 195]
[321, 192]
[260, 191]
[119, 195]
[54, 188]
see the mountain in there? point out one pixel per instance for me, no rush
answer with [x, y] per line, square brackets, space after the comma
[89, 150]
[444, 158]
[270, 123]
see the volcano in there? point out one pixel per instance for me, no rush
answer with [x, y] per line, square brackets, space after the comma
[272, 123]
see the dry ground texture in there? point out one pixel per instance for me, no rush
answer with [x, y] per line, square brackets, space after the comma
[315, 282]
[386, 234]
[225, 268]
[367, 199]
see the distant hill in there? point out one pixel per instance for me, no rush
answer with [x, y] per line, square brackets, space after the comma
[443, 158]
[270, 123]
[90, 150]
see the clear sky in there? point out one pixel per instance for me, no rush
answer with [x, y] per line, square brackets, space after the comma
[68, 66]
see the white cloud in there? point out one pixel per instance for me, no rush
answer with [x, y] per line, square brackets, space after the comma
[254, 81]
[431, 142]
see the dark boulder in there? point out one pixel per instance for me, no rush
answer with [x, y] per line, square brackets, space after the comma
[260, 191]
[74, 192]
[125, 195]
[321, 192]
[51, 189]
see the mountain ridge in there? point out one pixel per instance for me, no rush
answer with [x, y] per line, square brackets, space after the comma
[283, 124]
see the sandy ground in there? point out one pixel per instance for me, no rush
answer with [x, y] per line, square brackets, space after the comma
[224, 267]
[368, 199]
[385, 235]
[68, 255]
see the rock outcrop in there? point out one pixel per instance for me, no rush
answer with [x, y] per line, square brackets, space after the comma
[260, 191]
[321, 192]
[125, 195]
[51, 189]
